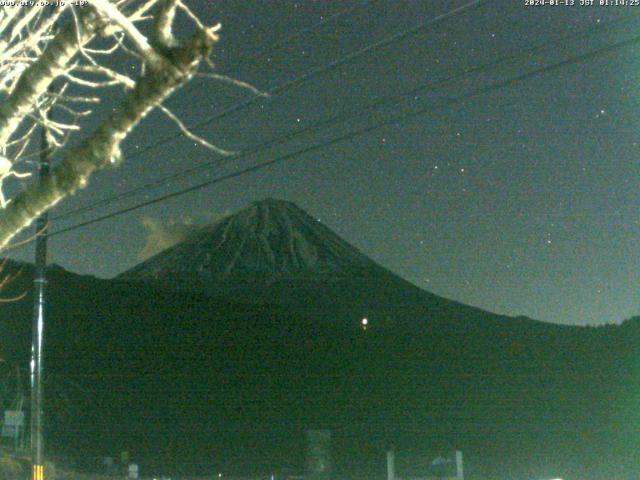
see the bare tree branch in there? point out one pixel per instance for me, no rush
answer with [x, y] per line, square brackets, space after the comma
[35, 80]
[235, 82]
[103, 147]
[187, 133]
[164, 23]
[35, 52]
[138, 39]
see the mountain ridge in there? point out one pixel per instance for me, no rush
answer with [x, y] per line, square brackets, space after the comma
[275, 252]
[270, 238]
[254, 363]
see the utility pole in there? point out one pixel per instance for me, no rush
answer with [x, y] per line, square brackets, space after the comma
[391, 465]
[39, 303]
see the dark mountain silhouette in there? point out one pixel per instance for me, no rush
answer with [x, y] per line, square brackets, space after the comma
[274, 252]
[218, 353]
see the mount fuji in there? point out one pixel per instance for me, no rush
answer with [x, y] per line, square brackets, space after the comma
[218, 352]
[268, 240]
[274, 252]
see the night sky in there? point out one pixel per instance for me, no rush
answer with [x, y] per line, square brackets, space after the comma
[521, 200]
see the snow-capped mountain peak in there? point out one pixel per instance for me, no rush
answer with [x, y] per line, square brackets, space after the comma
[270, 238]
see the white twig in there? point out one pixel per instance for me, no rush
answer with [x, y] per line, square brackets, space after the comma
[105, 51]
[24, 21]
[22, 149]
[81, 48]
[164, 21]
[139, 14]
[6, 171]
[22, 137]
[137, 38]
[191, 15]
[77, 99]
[234, 82]
[89, 83]
[187, 133]
[47, 122]
[74, 113]
[102, 70]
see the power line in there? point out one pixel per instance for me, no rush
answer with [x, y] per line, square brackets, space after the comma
[345, 116]
[362, 131]
[290, 84]
[300, 80]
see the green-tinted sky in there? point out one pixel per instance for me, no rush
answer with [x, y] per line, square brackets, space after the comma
[521, 200]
